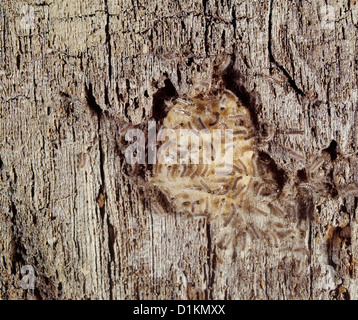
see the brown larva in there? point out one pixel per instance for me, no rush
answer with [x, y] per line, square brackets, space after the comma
[202, 125]
[275, 210]
[217, 117]
[268, 132]
[234, 186]
[350, 190]
[293, 131]
[296, 155]
[234, 196]
[194, 172]
[203, 173]
[250, 136]
[260, 211]
[231, 215]
[157, 208]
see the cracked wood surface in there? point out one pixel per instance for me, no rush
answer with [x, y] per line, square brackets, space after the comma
[71, 72]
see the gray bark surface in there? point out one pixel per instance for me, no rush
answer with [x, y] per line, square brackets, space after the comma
[72, 72]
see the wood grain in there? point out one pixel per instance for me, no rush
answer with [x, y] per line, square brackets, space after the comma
[73, 73]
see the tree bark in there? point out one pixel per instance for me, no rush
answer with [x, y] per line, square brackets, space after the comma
[71, 73]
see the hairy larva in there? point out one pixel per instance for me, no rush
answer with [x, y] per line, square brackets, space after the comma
[250, 136]
[125, 128]
[207, 189]
[221, 190]
[184, 112]
[158, 209]
[178, 126]
[293, 131]
[167, 144]
[217, 117]
[223, 181]
[203, 173]
[224, 172]
[296, 155]
[254, 233]
[212, 149]
[238, 191]
[260, 211]
[249, 184]
[222, 125]
[184, 103]
[229, 147]
[243, 166]
[224, 64]
[246, 149]
[83, 161]
[217, 214]
[285, 233]
[194, 204]
[234, 185]
[134, 169]
[161, 133]
[202, 126]
[168, 56]
[170, 173]
[276, 210]
[225, 242]
[278, 225]
[237, 169]
[307, 186]
[316, 165]
[352, 189]
[268, 132]
[240, 132]
[300, 250]
[193, 189]
[184, 171]
[240, 240]
[231, 215]
[260, 186]
[192, 129]
[194, 172]
[292, 209]
[274, 237]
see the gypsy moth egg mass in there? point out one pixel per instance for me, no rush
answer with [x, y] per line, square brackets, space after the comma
[215, 153]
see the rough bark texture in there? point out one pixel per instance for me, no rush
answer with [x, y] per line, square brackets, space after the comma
[71, 71]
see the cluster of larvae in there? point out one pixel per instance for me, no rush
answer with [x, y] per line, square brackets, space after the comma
[208, 165]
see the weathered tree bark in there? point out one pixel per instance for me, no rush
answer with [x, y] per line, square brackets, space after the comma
[71, 72]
